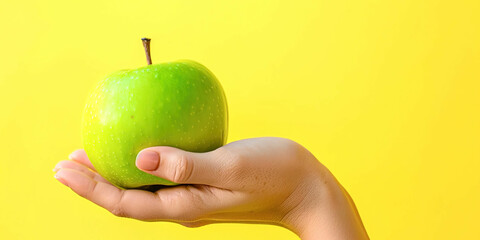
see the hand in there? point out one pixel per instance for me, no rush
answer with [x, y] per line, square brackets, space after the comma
[264, 180]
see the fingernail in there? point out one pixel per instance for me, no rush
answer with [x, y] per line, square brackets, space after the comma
[61, 180]
[147, 160]
[56, 168]
[71, 156]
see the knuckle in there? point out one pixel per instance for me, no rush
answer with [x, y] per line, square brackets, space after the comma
[182, 170]
[191, 213]
[118, 211]
[90, 192]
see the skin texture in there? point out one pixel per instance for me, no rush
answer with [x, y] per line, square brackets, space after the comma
[261, 180]
[179, 104]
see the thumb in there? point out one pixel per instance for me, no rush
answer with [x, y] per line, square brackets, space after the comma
[181, 166]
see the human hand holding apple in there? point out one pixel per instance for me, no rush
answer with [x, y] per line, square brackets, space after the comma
[262, 180]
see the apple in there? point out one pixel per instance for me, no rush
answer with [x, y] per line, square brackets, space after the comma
[179, 104]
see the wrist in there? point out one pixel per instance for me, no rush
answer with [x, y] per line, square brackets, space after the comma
[324, 210]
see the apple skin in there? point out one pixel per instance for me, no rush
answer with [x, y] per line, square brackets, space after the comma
[179, 104]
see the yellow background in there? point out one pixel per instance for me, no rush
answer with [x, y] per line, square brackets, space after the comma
[385, 93]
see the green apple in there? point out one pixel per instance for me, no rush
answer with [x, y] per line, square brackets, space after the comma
[179, 104]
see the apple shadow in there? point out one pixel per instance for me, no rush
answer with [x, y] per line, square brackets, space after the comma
[154, 188]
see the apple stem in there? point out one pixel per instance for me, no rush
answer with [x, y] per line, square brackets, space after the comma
[146, 45]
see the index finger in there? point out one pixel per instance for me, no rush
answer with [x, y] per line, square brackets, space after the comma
[142, 205]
